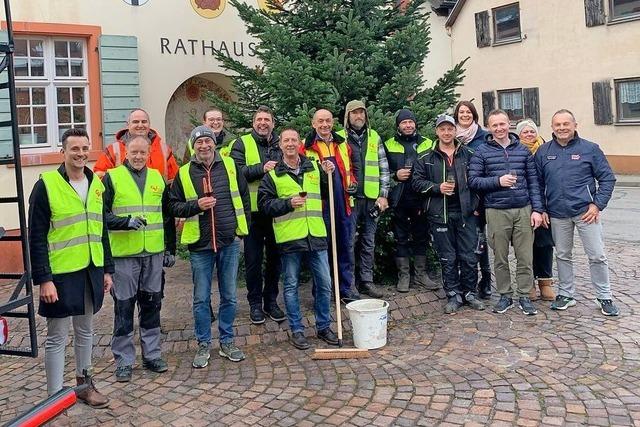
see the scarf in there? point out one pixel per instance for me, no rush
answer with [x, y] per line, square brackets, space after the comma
[533, 146]
[466, 135]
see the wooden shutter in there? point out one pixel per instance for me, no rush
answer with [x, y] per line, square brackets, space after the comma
[6, 139]
[602, 114]
[488, 105]
[120, 82]
[531, 101]
[594, 12]
[483, 29]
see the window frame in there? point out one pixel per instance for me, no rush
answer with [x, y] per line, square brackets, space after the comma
[515, 39]
[512, 90]
[614, 19]
[50, 82]
[91, 33]
[619, 117]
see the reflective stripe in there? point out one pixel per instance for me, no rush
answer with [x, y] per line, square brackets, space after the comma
[371, 163]
[152, 227]
[371, 179]
[235, 194]
[136, 209]
[298, 215]
[239, 212]
[76, 219]
[74, 242]
[313, 196]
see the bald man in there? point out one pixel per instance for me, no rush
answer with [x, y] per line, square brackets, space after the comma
[325, 144]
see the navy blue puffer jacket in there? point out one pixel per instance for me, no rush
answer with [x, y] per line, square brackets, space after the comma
[490, 161]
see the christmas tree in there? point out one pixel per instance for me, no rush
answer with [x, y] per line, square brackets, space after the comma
[322, 54]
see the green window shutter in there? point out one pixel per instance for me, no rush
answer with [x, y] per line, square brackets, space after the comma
[120, 82]
[6, 140]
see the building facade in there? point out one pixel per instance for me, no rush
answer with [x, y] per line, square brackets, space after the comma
[532, 58]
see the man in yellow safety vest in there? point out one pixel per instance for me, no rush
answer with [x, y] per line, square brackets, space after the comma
[71, 261]
[291, 195]
[142, 236]
[213, 196]
[256, 154]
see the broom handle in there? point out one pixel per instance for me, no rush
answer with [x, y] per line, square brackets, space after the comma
[334, 259]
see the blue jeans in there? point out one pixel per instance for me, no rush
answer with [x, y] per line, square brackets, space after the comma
[319, 264]
[202, 264]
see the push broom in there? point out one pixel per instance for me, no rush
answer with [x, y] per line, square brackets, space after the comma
[338, 353]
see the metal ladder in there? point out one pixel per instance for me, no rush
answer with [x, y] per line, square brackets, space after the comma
[22, 295]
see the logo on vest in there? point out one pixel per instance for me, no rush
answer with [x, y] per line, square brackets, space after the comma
[155, 188]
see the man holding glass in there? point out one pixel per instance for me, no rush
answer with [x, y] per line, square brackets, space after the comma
[441, 175]
[504, 172]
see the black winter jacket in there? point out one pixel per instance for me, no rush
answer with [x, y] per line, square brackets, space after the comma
[115, 222]
[490, 161]
[224, 213]
[70, 286]
[430, 171]
[272, 206]
[267, 151]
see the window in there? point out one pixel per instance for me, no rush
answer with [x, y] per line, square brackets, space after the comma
[506, 23]
[511, 102]
[51, 89]
[628, 100]
[623, 8]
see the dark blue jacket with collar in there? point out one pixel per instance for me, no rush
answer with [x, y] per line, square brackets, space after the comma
[490, 161]
[573, 176]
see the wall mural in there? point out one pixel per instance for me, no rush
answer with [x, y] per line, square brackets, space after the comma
[187, 102]
[208, 8]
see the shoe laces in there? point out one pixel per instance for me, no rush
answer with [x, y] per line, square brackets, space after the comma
[606, 302]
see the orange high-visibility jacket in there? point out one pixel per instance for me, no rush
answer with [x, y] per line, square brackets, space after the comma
[161, 157]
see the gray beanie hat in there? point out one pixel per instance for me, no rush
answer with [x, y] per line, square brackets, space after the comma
[200, 132]
[524, 123]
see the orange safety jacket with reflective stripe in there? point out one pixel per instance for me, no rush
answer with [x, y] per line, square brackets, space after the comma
[160, 158]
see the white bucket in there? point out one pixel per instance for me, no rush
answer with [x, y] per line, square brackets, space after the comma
[369, 322]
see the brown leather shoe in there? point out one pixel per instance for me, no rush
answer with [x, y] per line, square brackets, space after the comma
[546, 289]
[90, 395]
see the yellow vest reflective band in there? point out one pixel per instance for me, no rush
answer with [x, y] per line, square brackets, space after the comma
[191, 229]
[224, 151]
[393, 146]
[75, 232]
[303, 221]
[127, 200]
[252, 157]
[371, 164]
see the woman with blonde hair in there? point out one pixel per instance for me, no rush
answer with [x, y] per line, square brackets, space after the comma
[543, 240]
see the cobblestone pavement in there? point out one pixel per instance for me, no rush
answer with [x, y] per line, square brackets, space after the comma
[473, 368]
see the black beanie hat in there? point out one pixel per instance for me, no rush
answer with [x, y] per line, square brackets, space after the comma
[405, 114]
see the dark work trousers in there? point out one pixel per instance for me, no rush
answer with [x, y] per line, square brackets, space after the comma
[483, 259]
[364, 239]
[137, 279]
[455, 243]
[542, 253]
[344, 232]
[261, 238]
[411, 230]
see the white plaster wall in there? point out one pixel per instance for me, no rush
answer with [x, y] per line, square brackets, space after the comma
[561, 56]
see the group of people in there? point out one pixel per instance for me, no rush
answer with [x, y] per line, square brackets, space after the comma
[113, 229]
